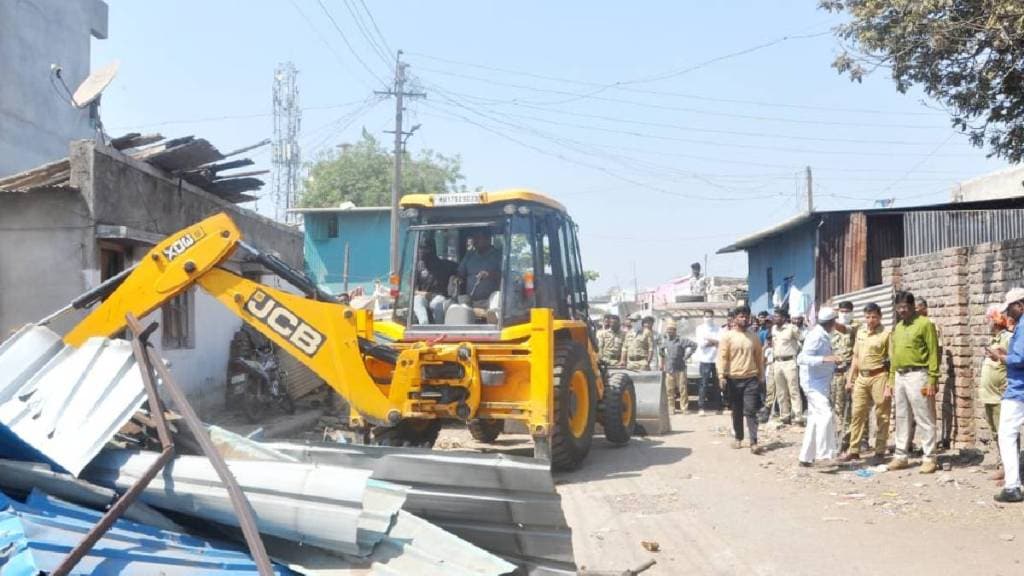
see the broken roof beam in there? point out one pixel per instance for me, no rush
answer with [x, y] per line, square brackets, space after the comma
[134, 140]
[47, 174]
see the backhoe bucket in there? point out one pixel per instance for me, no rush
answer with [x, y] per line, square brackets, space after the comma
[60, 404]
[651, 401]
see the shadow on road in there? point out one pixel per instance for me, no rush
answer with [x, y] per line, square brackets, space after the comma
[606, 460]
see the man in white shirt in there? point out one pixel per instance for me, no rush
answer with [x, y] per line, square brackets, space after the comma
[817, 366]
[707, 353]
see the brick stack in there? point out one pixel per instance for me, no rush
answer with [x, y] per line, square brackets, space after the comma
[959, 284]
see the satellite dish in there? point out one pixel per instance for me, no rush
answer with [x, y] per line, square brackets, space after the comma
[91, 88]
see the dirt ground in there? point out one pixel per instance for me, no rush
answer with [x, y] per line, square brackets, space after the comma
[716, 510]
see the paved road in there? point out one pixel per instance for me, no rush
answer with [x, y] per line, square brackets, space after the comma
[715, 510]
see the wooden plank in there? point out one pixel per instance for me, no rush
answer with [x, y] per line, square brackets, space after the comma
[134, 140]
[42, 175]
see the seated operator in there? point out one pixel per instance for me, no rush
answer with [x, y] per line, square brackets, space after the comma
[431, 284]
[480, 269]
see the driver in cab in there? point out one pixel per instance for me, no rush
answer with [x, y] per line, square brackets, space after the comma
[480, 269]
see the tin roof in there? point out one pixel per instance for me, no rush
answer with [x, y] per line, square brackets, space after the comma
[38, 534]
[60, 404]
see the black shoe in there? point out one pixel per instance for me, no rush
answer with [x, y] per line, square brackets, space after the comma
[1009, 495]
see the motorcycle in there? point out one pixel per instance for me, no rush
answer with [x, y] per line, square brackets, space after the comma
[259, 380]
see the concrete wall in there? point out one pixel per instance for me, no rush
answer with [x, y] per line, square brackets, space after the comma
[49, 252]
[959, 284]
[126, 192]
[789, 254]
[46, 254]
[36, 122]
[368, 236]
[1005, 183]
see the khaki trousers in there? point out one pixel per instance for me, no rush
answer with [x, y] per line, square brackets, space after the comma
[787, 388]
[675, 388]
[912, 405]
[769, 390]
[869, 391]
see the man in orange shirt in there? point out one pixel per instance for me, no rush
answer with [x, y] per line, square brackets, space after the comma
[741, 368]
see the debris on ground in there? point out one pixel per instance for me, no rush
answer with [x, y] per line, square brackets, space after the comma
[651, 546]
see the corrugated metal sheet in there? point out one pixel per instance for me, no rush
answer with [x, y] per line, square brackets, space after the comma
[503, 504]
[327, 506]
[885, 241]
[881, 295]
[931, 231]
[60, 405]
[21, 478]
[37, 535]
[298, 379]
[842, 254]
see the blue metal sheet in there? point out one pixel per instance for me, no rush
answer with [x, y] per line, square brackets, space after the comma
[38, 534]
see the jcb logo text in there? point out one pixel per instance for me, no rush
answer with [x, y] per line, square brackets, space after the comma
[284, 322]
[179, 246]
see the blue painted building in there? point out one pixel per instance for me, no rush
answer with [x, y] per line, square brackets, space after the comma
[779, 258]
[824, 254]
[366, 231]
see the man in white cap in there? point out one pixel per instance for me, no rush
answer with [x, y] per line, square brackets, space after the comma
[1011, 409]
[817, 366]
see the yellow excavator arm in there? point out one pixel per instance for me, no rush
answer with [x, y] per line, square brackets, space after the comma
[318, 331]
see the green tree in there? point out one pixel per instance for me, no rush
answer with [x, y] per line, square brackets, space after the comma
[966, 54]
[591, 275]
[362, 173]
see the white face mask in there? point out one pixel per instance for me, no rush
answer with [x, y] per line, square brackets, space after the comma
[845, 318]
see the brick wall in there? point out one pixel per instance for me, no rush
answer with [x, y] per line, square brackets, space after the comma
[959, 284]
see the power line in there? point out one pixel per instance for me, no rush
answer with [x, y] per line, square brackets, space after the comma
[207, 119]
[344, 38]
[719, 144]
[365, 32]
[655, 106]
[380, 35]
[725, 132]
[597, 167]
[673, 94]
[323, 40]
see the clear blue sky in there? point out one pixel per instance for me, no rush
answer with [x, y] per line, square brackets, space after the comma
[688, 152]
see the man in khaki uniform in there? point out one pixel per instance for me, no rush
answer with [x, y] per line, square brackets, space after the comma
[610, 342]
[868, 384]
[842, 346]
[786, 339]
[640, 348]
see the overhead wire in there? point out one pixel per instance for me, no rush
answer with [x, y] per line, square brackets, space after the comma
[674, 94]
[325, 42]
[561, 156]
[365, 32]
[655, 106]
[380, 35]
[351, 48]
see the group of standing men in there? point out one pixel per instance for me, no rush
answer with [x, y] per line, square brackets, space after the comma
[829, 377]
[623, 346]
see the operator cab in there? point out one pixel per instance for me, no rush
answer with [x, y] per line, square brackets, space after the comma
[474, 263]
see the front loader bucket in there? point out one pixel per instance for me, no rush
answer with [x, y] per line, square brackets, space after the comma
[651, 401]
[60, 404]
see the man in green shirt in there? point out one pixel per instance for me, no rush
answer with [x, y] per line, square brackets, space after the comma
[914, 376]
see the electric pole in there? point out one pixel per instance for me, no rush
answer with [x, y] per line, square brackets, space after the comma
[810, 191]
[398, 91]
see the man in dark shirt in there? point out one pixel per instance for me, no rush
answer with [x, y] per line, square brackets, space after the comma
[431, 285]
[674, 350]
[480, 269]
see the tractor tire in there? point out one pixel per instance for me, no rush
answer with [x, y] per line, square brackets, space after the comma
[575, 409]
[486, 431]
[410, 433]
[618, 416]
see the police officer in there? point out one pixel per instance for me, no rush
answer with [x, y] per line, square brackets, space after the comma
[842, 346]
[610, 342]
[640, 347]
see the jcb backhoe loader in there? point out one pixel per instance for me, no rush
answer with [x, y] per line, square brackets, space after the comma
[490, 323]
